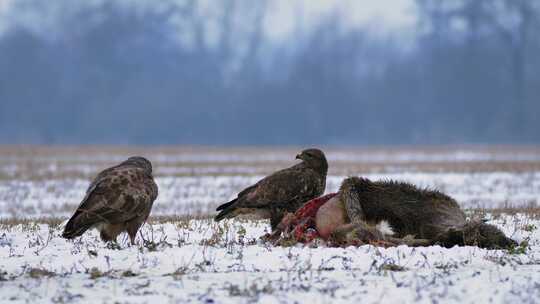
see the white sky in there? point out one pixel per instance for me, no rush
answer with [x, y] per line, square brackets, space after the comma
[3, 4]
[386, 15]
[285, 16]
[3, 7]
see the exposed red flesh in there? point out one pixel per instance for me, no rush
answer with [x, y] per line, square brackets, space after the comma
[303, 221]
[302, 227]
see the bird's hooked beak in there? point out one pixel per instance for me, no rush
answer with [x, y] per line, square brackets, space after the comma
[298, 156]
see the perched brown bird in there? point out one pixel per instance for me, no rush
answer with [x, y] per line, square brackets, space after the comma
[119, 199]
[283, 191]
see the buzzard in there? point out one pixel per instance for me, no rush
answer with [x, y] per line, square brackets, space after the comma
[283, 191]
[119, 199]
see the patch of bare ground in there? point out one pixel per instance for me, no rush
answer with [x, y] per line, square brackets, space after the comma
[162, 219]
[196, 258]
[53, 222]
[45, 162]
[532, 212]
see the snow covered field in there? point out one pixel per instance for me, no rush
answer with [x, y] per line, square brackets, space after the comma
[180, 260]
[199, 261]
[196, 195]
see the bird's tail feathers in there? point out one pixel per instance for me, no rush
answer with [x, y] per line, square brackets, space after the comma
[225, 213]
[75, 227]
[224, 206]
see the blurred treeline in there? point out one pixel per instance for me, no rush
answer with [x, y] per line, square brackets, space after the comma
[170, 72]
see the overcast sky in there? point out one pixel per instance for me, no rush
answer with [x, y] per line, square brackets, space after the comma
[384, 14]
[283, 16]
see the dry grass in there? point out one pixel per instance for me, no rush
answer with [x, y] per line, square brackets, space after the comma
[162, 219]
[44, 162]
[227, 259]
[51, 221]
[206, 261]
[532, 212]
[68, 162]
[528, 212]
[57, 221]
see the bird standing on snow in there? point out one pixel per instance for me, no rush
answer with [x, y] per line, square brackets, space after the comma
[119, 199]
[283, 191]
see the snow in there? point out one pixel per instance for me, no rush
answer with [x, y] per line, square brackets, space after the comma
[201, 261]
[201, 194]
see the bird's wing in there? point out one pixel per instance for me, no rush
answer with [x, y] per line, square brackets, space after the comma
[116, 197]
[281, 188]
[241, 194]
[248, 190]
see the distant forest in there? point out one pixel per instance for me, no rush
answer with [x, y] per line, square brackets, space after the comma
[172, 72]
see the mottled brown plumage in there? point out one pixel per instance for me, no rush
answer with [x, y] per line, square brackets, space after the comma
[119, 199]
[283, 191]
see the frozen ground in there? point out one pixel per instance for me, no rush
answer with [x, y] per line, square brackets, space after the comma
[195, 195]
[45, 181]
[198, 261]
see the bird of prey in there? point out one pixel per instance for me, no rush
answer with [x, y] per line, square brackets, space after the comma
[283, 191]
[119, 199]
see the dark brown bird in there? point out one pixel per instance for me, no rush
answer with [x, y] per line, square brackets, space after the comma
[283, 191]
[119, 199]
